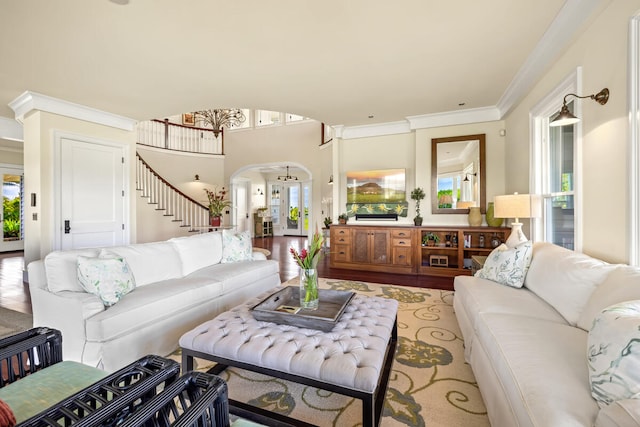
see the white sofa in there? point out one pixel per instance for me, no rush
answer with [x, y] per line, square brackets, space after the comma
[528, 346]
[180, 283]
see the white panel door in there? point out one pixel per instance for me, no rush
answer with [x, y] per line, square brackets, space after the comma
[91, 195]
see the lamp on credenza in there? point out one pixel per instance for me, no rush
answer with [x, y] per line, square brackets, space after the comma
[517, 206]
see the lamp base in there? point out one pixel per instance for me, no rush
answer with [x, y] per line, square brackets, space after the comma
[517, 236]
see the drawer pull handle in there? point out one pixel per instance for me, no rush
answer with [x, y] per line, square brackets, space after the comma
[401, 256]
[341, 253]
[401, 242]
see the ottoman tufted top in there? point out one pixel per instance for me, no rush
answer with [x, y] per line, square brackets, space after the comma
[351, 355]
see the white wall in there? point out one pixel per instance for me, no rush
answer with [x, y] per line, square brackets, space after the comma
[293, 143]
[412, 151]
[601, 51]
[11, 152]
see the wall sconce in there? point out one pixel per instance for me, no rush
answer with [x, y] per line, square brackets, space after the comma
[466, 178]
[259, 192]
[197, 178]
[565, 117]
[330, 180]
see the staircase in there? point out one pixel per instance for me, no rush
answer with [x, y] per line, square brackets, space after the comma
[172, 202]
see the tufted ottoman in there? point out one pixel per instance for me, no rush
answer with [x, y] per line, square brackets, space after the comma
[354, 359]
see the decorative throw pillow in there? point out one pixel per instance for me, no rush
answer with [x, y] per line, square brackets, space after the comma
[108, 278]
[507, 266]
[236, 246]
[614, 353]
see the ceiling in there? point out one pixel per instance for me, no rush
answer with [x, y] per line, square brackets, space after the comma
[351, 63]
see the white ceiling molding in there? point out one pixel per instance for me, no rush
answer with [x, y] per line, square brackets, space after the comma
[573, 15]
[378, 129]
[10, 129]
[449, 118]
[29, 101]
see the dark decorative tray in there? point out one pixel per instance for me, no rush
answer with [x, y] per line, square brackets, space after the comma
[283, 307]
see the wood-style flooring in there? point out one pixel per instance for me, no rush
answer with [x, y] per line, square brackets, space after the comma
[14, 294]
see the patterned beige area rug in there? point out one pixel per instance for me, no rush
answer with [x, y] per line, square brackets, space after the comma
[430, 383]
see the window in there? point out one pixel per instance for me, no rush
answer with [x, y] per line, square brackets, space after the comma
[558, 195]
[555, 169]
[267, 118]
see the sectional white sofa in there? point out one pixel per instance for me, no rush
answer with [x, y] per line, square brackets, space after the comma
[528, 346]
[179, 284]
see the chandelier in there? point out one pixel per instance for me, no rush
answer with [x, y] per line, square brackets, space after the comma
[287, 177]
[219, 118]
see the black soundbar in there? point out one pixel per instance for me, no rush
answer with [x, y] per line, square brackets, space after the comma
[377, 216]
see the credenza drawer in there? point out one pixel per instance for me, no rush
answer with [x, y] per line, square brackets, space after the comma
[401, 242]
[404, 234]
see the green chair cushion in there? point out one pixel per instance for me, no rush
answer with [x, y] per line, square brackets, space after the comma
[43, 389]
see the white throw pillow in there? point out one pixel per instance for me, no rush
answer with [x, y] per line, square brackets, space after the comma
[150, 262]
[236, 246]
[614, 353]
[565, 279]
[62, 269]
[108, 278]
[199, 251]
[507, 266]
[622, 284]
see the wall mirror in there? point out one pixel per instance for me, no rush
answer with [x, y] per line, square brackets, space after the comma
[458, 174]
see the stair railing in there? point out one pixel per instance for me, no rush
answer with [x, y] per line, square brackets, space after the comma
[158, 191]
[173, 136]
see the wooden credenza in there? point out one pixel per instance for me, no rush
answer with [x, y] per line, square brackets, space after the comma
[373, 248]
[400, 249]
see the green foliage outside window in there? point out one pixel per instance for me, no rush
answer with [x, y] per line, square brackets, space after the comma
[11, 224]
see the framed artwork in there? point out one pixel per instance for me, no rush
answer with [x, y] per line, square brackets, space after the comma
[189, 119]
[376, 192]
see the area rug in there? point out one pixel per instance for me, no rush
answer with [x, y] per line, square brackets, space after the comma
[12, 322]
[430, 383]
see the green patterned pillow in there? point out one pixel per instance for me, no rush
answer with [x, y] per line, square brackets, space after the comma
[236, 246]
[614, 353]
[507, 266]
[108, 278]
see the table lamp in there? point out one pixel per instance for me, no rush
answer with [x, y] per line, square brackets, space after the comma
[517, 206]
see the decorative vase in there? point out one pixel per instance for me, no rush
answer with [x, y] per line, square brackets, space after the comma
[475, 217]
[417, 221]
[309, 288]
[491, 220]
[215, 221]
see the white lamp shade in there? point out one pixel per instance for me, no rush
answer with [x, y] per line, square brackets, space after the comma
[517, 206]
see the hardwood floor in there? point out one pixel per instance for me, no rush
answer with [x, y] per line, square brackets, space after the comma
[14, 294]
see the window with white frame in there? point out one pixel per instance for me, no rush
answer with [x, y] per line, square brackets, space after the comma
[267, 118]
[555, 170]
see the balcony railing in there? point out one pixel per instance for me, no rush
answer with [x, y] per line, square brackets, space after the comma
[173, 136]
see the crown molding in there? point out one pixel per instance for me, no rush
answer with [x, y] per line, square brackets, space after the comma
[10, 129]
[30, 101]
[573, 15]
[449, 118]
[378, 129]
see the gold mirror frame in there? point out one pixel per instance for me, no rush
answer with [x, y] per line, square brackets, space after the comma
[481, 138]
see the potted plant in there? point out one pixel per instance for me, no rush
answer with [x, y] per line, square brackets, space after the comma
[327, 221]
[343, 218]
[417, 194]
[217, 204]
[430, 239]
